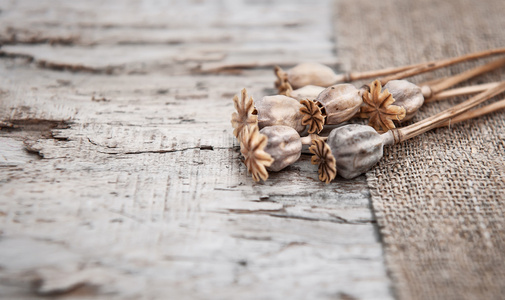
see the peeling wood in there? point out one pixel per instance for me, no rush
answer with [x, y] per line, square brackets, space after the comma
[137, 189]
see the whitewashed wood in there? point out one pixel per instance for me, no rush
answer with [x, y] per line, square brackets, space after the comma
[144, 195]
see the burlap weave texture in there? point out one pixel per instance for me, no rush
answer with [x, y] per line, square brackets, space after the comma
[439, 198]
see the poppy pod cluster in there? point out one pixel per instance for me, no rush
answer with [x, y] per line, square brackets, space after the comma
[273, 130]
[269, 132]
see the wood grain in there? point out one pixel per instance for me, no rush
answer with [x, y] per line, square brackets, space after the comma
[119, 174]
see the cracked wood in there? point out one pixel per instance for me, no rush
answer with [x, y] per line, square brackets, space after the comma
[120, 177]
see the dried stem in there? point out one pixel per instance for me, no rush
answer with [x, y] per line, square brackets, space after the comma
[453, 80]
[307, 140]
[353, 76]
[441, 64]
[431, 82]
[415, 129]
[467, 90]
[499, 105]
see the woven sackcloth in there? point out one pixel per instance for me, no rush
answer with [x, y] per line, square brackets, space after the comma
[439, 198]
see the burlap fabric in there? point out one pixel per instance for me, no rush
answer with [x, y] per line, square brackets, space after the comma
[439, 198]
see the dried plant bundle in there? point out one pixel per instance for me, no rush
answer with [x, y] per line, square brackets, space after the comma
[269, 130]
[432, 89]
[320, 75]
[356, 148]
[407, 97]
[431, 66]
[415, 129]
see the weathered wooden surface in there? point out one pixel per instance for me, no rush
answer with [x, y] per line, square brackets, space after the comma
[119, 173]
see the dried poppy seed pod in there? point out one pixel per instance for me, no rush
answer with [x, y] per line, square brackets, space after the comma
[244, 116]
[284, 146]
[356, 148]
[379, 109]
[279, 110]
[252, 147]
[272, 149]
[406, 95]
[307, 92]
[312, 116]
[327, 167]
[307, 74]
[341, 102]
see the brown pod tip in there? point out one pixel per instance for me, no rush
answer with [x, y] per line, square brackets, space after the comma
[377, 107]
[312, 116]
[281, 83]
[245, 115]
[327, 166]
[252, 148]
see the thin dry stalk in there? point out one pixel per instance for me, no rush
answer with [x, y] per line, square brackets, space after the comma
[453, 80]
[418, 128]
[431, 82]
[499, 105]
[353, 76]
[441, 64]
[467, 90]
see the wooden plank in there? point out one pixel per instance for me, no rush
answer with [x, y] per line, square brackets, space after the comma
[129, 184]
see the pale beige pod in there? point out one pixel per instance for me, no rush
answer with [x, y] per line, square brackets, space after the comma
[311, 74]
[279, 110]
[307, 92]
[340, 102]
[406, 95]
[284, 146]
